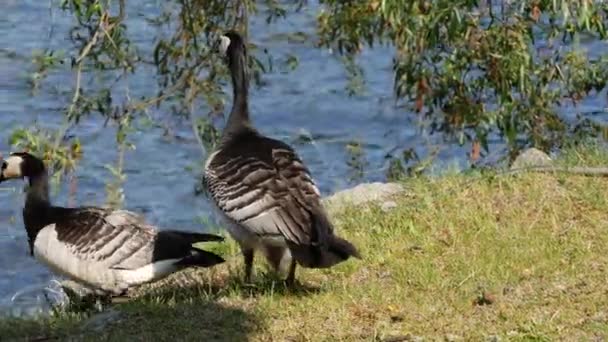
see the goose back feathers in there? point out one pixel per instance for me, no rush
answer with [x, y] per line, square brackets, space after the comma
[109, 250]
[262, 185]
[114, 249]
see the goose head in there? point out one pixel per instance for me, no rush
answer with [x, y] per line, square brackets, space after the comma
[231, 44]
[20, 165]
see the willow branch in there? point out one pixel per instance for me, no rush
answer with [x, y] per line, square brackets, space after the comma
[190, 102]
[141, 105]
[87, 48]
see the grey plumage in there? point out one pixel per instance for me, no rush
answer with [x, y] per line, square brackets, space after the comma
[104, 249]
[264, 191]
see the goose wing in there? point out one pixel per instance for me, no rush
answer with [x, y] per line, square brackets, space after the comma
[263, 185]
[119, 239]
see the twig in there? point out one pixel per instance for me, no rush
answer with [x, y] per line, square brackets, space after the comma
[137, 106]
[190, 101]
[471, 275]
[244, 18]
[106, 31]
[87, 48]
[576, 170]
[68, 118]
[52, 24]
[121, 153]
[78, 62]
[121, 10]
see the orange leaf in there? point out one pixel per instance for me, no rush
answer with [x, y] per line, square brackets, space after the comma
[374, 5]
[475, 151]
[422, 89]
[423, 86]
[419, 102]
[535, 13]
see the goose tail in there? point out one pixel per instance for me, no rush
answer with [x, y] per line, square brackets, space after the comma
[201, 258]
[197, 256]
[193, 238]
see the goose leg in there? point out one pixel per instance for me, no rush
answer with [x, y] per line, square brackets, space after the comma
[248, 256]
[291, 277]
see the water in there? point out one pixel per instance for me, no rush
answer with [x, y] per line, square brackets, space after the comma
[161, 172]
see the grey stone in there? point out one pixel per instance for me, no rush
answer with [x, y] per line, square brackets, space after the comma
[74, 289]
[402, 338]
[452, 338]
[388, 206]
[364, 194]
[102, 320]
[530, 158]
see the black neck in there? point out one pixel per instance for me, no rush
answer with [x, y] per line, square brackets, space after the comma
[38, 211]
[239, 115]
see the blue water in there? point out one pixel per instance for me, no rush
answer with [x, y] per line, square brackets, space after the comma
[162, 171]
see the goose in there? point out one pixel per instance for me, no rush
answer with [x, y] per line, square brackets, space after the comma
[263, 192]
[108, 251]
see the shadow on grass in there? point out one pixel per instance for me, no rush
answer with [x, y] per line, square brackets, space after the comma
[195, 305]
[230, 285]
[201, 320]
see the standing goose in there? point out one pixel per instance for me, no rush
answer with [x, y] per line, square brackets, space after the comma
[106, 250]
[262, 189]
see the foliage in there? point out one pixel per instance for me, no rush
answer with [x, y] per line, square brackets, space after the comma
[188, 72]
[479, 68]
[62, 158]
[356, 160]
[473, 70]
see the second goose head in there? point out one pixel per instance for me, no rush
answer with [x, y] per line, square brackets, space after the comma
[233, 48]
[21, 165]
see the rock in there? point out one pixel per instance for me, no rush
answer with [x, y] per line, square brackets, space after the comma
[402, 338]
[388, 206]
[531, 157]
[485, 298]
[364, 194]
[395, 318]
[452, 338]
[102, 320]
[75, 290]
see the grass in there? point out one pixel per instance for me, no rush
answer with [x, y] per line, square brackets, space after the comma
[462, 257]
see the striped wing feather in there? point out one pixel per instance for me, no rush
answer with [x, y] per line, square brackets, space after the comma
[119, 239]
[263, 185]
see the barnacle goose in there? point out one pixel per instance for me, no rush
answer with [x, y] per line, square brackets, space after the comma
[264, 192]
[106, 250]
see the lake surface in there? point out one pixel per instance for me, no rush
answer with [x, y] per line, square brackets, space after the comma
[161, 173]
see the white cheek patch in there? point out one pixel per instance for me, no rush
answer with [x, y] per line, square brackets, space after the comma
[13, 167]
[224, 44]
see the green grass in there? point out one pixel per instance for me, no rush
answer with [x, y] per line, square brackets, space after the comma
[519, 257]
